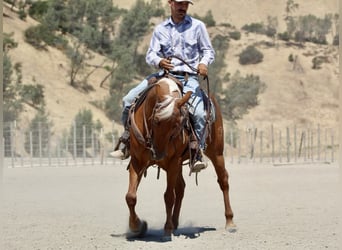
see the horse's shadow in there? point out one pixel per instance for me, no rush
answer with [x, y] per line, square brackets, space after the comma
[157, 235]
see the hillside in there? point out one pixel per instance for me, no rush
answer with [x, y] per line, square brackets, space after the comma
[239, 13]
[295, 94]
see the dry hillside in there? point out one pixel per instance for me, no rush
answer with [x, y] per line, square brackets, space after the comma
[295, 94]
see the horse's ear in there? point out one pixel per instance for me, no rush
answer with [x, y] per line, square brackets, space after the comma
[183, 100]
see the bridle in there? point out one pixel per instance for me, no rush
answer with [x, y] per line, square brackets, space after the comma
[147, 140]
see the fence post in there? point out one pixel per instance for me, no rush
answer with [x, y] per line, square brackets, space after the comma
[84, 143]
[232, 144]
[261, 149]
[272, 141]
[92, 146]
[31, 148]
[332, 145]
[101, 147]
[280, 159]
[304, 145]
[295, 143]
[312, 144]
[325, 144]
[239, 148]
[58, 152]
[12, 142]
[22, 148]
[66, 150]
[288, 144]
[40, 142]
[75, 145]
[49, 145]
[318, 142]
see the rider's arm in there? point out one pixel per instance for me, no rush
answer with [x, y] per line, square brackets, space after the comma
[207, 50]
[152, 56]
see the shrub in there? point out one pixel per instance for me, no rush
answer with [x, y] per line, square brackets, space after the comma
[250, 56]
[254, 28]
[285, 36]
[33, 94]
[39, 36]
[208, 19]
[236, 35]
[291, 59]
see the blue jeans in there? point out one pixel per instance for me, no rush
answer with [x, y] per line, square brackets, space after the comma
[196, 103]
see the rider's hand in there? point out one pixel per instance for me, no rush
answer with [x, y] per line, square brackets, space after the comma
[202, 69]
[166, 64]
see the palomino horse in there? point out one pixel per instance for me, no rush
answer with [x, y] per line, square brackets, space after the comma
[157, 136]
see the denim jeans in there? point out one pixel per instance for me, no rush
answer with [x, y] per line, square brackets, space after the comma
[196, 103]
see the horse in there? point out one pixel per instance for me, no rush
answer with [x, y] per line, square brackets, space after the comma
[158, 137]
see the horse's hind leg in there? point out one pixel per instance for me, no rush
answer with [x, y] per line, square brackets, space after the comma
[222, 179]
[138, 228]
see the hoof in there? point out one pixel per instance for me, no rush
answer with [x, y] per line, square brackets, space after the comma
[231, 227]
[140, 232]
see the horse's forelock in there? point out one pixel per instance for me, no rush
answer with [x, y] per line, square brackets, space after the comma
[168, 103]
[167, 107]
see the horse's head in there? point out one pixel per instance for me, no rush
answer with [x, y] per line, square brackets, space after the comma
[167, 117]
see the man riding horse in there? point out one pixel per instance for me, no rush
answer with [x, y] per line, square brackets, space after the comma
[179, 36]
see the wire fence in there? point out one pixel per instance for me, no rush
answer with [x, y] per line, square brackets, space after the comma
[86, 145]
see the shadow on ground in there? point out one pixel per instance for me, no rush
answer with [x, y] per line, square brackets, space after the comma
[157, 235]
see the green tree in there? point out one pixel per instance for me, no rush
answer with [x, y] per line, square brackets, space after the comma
[220, 44]
[38, 134]
[241, 95]
[12, 82]
[38, 10]
[83, 123]
[56, 17]
[33, 95]
[290, 8]
[135, 24]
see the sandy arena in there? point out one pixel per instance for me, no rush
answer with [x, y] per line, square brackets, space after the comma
[275, 207]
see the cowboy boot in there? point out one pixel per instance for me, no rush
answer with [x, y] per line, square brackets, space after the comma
[123, 153]
[196, 162]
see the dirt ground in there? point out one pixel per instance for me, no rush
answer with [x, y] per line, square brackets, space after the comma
[276, 207]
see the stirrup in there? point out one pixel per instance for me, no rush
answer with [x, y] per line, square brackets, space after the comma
[121, 154]
[198, 166]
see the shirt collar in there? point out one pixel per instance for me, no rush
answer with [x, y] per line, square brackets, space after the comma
[169, 21]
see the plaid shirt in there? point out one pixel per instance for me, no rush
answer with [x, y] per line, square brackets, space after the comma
[188, 40]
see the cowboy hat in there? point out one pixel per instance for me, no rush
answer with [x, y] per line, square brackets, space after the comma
[189, 1]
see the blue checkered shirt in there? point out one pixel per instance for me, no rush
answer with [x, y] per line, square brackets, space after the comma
[188, 40]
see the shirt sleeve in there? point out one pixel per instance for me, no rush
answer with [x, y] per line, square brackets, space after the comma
[208, 52]
[152, 55]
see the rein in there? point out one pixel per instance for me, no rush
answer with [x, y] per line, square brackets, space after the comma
[208, 90]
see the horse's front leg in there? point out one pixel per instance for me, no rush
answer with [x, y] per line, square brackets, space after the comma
[180, 186]
[138, 228]
[169, 198]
